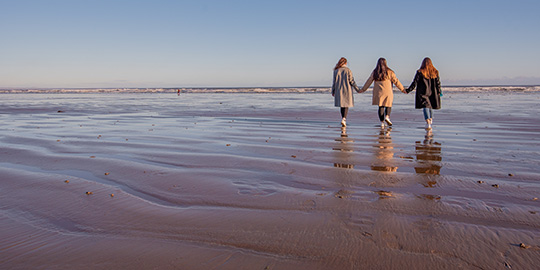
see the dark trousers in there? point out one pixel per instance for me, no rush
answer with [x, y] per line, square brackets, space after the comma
[384, 111]
[344, 111]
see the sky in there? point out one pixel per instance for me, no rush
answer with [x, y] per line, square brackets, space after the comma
[275, 43]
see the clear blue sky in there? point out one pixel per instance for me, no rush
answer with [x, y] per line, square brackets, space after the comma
[156, 43]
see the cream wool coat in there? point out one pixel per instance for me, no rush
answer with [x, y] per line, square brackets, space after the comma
[342, 87]
[382, 90]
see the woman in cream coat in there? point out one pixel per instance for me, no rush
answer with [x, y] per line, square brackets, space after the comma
[342, 85]
[383, 96]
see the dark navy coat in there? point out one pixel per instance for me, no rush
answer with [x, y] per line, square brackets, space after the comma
[428, 91]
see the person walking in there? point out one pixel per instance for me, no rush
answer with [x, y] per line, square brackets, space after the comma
[428, 90]
[342, 85]
[383, 96]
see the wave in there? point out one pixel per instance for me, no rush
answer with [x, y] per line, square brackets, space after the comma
[532, 88]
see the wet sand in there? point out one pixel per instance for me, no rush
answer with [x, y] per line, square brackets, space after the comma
[267, 181]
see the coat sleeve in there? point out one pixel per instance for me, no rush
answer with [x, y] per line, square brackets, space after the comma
[438, 85]
[396, 82]
[334, 83]
[369, 81]
[352, 82]
[413, 84]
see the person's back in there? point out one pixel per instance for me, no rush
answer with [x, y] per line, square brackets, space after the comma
[342, 85]
[382, 78]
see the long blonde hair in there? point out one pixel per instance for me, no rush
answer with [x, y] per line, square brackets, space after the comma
[342, 62]
[428, 70]
[380, 73]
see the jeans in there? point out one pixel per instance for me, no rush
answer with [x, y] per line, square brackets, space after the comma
[428, 113]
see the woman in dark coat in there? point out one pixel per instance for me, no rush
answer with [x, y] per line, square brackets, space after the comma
[428, 90]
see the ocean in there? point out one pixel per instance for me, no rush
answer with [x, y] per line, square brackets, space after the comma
[492, 88]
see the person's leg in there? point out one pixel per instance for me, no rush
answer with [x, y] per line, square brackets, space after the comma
[381, 113]
[344, 112]
[427, 114]
[387, 111]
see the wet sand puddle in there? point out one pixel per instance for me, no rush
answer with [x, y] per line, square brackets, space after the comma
[161, 184]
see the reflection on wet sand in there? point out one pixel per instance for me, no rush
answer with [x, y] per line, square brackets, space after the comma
[384, 152]
[428, 156]
[345, 145]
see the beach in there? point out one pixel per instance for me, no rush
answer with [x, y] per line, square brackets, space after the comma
[267, 181]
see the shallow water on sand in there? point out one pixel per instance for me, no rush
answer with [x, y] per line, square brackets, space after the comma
[225, 181]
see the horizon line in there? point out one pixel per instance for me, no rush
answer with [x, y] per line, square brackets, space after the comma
[243, 87]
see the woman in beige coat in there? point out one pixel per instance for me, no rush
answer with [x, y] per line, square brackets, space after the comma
[383, 96]
[342, 86]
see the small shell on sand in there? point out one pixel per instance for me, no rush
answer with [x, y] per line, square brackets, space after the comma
[480, 182]
[495, 185]
[228, 144]
[510, 174]
[89, 193]
[67, 181]
[384, 194]
[107, 173]
[112, 195]
[293, 156]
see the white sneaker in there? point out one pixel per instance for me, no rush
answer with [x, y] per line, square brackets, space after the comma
[382, 124]
[387, 120]
[428, 125]
[343, 122]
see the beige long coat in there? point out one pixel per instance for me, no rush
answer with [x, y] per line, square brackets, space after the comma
[382, 90]
[342, 87]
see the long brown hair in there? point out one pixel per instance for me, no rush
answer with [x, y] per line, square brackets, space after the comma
[380, 73]
[428, 70]
[342, 62]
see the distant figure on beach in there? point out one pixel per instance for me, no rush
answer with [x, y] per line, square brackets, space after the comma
[383, 96]
[342, 86]
[428, 90]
